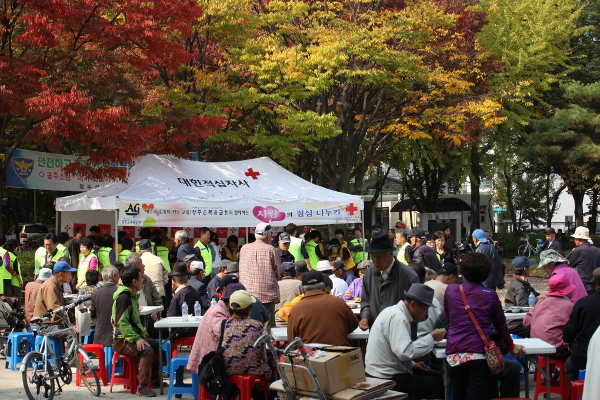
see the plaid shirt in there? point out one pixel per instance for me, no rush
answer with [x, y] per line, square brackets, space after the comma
[260, 269]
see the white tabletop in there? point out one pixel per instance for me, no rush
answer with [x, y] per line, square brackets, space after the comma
[510, 316]
[532, 346]
[280, 334]
[177, 322]
[147, 310]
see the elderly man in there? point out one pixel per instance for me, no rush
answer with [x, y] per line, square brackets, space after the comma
[48, 252]
[584, 258]
[184, 293]
[318, 317]
[32, 289]
[215, 282]
[551, 242]
[496, 278]
[289, 288]
[155, 267]
[131, 339]
[584, 321]
[385, 283]
[102, 302]
[233, 268]
[149, 295]
[182, 247]
[339, 285]
[422, 253]
[283, 248]
[447, 275]
[554, 264]
[392, 346]
[260, 269]
[50, 296]
[197, 270]
[402, 243]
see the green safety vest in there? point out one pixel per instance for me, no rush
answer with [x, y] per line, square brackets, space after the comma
[40, 258]
[401, 256]
[163, 253]
[123, 256]
[311, 249]
[296, 248]
[104, 257]
[359, 256]
[4, 274]
[84, 266]
[137, 247]
[17, 267]
[206, 254]
[63, 249]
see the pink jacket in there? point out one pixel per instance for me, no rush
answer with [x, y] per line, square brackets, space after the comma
[547, 320]
[207, 337]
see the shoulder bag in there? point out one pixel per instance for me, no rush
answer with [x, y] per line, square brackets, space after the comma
[493, 355]
[212, 372]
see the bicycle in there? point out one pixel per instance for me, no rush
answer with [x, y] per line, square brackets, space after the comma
[39, 379]
[527, 248]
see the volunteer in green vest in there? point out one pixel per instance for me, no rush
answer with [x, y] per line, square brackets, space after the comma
[11, 271]
[127, 244]
[313, 249]
[48, 252]
[403, 245]
[203, 247]
[297, 245]
[5, 275]
[87, 261]
[162, 251]
[106, 253]
[356, 247]
[145, 233]
[63, 238]
[342, 251]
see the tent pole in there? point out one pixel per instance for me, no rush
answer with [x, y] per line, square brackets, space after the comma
[116, 244]
[57, 223]
[362, 217]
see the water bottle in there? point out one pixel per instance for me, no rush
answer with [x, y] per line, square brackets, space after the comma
[184, 312]
[532, 300]
[197, 310]
[213, 302]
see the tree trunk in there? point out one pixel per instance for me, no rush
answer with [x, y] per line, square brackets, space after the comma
[509, 199]
[378, 190]
[554, 202]
[578, 196]
[593, 212]
[475, 182]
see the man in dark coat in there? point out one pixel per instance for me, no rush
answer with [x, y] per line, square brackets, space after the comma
[552, 243]
[422, 253]
[384, 283]
[496, 278]
[102, 303]
[585, 258]
[185, 293]
[197, 272]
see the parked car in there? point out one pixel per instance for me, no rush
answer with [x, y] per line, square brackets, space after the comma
[28, 235]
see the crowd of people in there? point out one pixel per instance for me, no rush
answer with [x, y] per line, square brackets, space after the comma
[410, 290]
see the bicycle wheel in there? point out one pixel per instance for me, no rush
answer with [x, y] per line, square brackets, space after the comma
[523, 251]
[89, 377]
[35, 380]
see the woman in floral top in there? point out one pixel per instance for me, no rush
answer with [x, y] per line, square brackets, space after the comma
[241, 358]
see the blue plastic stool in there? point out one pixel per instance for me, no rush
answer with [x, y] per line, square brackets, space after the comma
[108, 356]
[56, 343]
[14, 340]
[176, 385]
[89, 339]
[167, 359]
[32, 329]
[582, 374]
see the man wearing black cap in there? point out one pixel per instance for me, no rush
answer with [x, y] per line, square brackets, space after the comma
[551, 243]
[393, 346]
[385, 283]
[318, 317]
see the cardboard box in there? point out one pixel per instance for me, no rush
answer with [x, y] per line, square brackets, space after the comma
[341, 368]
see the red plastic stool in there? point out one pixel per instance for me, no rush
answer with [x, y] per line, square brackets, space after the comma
[129, 378]
[98, 350]
[188, 341]
[576, 389]
[246, 382]
[203, 395]
[557, 387]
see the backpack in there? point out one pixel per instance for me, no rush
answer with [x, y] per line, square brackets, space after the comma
[212, 372]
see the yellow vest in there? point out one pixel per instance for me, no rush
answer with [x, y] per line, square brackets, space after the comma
[17, 267]
[206, 255]
[123, 255]
[402, 253]
[296, 248]
[4, 274]
[359, 256]
[163, 253]
[349, 263]
[84, 266]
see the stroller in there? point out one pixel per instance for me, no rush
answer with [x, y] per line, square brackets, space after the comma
[14, 321]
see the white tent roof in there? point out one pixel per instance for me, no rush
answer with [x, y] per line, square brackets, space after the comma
[206, 184]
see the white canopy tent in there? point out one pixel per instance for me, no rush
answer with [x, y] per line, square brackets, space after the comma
[171, 192]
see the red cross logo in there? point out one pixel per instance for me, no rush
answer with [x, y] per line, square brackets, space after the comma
[351, 209]
[252, 173]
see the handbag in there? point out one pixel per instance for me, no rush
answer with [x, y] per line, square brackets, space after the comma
[493, 355]
[212, 372]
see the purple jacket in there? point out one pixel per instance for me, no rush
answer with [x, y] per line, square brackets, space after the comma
[486, 306]
[356, 288]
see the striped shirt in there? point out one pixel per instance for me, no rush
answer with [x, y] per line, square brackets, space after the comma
[260, 269]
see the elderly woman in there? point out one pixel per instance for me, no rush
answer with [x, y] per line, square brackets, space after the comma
[241, 331]
[470, 375]
[444, 253]
[555, 264]
[355, 288]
